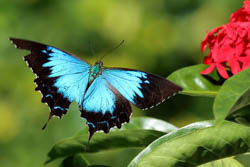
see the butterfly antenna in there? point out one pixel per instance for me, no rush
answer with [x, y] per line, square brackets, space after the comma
[111, 50]
[91, 48]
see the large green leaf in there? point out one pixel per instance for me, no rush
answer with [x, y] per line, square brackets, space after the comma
[115, 157]
[150, 124]
[78, 160]
[233, 95]
[144, 122]
[193, 83]
[194, 145]
[241, 116]
[226, 162]
[75, 160]
[100, 141]
[244, 159]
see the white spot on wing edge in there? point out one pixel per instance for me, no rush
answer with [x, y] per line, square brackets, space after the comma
[37, 85]
[162, 100]
[11, 41]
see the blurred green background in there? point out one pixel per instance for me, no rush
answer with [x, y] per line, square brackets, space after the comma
[160, 37]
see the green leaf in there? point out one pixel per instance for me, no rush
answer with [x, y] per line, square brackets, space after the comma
[226, 162]
[244, 159]
[144, 122]
[195, 144]
[100, 141]
[99, 166]
[233, 95]
[150, 124]
[76, 160]
[193, 83]
[241, 116]
[115, 157]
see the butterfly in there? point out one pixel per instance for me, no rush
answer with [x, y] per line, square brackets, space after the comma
[103, 94]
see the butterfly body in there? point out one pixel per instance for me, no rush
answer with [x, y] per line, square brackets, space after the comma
[103, 94]
[95, 71]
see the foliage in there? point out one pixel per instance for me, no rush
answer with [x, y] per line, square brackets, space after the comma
[197, 144]
[198, 85]
[233, 95]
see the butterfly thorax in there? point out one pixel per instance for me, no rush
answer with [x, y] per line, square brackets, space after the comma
[95, 71]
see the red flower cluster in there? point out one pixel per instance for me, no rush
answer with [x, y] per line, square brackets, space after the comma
[229, 44]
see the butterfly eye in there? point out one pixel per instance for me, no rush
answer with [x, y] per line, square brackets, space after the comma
[100, 63]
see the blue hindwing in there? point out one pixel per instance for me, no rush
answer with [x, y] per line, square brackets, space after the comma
[104, 107]
[99, 97]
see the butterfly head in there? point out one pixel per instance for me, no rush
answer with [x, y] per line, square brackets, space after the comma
[99, 63]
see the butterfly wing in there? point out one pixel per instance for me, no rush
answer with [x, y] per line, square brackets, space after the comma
[104, 107]
[106, 102]
[142, 89]
[61, 77]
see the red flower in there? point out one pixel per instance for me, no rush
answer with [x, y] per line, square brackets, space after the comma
[229, 44]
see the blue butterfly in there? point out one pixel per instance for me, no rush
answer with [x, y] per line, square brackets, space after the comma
[103, 94]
